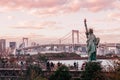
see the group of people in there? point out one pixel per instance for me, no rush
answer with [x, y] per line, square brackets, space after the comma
[76, 65]
[49, 66]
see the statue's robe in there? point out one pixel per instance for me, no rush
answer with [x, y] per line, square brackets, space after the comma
[91, 47]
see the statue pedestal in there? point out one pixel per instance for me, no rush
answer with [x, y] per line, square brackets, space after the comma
[94, 61]
[92, 70]
[91, 63]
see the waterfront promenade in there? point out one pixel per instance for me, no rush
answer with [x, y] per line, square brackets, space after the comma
[15, 68]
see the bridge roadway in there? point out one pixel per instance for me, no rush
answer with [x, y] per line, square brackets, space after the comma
[71, 45]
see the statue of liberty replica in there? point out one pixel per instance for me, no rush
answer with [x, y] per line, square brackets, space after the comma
[92, 68]
[92, 43]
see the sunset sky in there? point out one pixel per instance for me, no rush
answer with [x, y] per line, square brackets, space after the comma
[47, 20]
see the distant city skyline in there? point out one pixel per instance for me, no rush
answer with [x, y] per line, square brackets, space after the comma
[47, 20]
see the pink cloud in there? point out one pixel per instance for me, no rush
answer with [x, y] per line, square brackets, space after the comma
[107, 38]
[36, 26]
[26, 27]
[71, 6]
[114, 16]
[59, 6]
[109, 35]
[32, 3]
[31, 35]
[98, 5]
[117, 4]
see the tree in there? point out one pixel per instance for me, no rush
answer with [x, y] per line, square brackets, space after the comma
[93, 71]
[40, 78]
[114, 72]
[33, 72]
[42, 58]
[62, 73]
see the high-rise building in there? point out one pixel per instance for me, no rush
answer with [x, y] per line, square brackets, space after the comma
[2, 46]
[12, 45]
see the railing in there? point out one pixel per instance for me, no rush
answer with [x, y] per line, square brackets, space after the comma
[12, 73]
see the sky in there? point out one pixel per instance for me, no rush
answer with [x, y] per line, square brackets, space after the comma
[45, 21]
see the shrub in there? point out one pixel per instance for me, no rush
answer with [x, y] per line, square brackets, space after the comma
[61, 74]
[93, 71]
[33, 72]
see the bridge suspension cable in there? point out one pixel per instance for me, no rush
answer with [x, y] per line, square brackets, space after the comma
[66, 38]
[62, 38]
[82, 36]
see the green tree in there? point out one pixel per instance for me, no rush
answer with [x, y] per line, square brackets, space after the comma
[33, 72]
[42, 58]
[62, 73]
[40, 78]
[114, 72]
[93, 71]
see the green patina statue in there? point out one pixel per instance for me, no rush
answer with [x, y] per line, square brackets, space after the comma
[92, 43]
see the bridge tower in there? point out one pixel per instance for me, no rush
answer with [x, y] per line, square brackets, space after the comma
[25, 41]
[73, 36]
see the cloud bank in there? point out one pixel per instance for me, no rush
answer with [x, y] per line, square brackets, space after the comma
[58, 6]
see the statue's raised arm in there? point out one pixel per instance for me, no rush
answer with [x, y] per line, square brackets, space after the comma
[86, 27]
